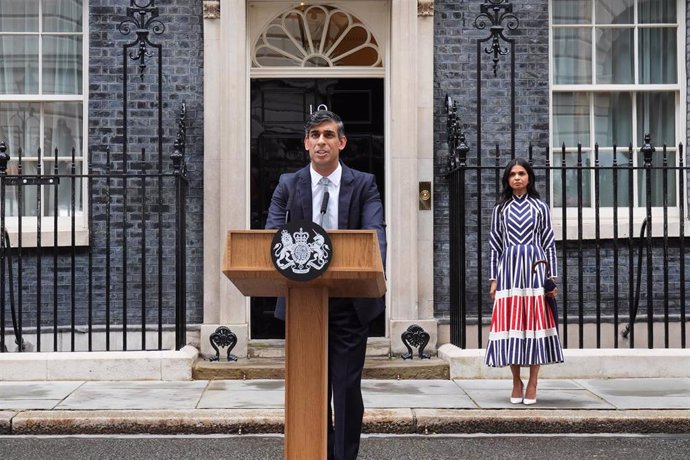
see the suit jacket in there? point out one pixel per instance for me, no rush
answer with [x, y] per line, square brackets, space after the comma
[359, 207]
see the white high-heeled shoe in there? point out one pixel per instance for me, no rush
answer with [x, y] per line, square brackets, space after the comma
[520, 399]
[529, 402]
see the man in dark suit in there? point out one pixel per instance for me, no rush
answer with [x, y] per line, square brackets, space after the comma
[354, 203]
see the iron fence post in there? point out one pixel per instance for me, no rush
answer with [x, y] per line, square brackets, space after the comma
[681, 238]
[4, 159]
[180, 173]
[647, 151]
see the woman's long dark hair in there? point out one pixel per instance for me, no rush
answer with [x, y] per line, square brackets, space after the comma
[507, 192]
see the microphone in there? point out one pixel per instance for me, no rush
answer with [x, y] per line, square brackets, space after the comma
[324, 204]
[287, 208]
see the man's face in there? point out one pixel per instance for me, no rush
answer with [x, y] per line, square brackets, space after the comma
[324, 147]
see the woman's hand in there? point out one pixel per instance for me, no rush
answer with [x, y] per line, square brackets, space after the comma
[492, 290]
[553, 293]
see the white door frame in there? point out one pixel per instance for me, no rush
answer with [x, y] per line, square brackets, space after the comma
[408, 158]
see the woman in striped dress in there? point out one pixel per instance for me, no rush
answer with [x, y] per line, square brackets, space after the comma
[523, 329]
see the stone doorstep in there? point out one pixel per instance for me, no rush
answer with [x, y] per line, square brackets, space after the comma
[393, 421]
[274, 368]
[275, 348]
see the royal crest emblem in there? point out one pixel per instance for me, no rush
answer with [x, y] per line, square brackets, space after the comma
[301, 250]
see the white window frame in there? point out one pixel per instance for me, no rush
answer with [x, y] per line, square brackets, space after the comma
[29, 236]
[375, 21]
[606, 213]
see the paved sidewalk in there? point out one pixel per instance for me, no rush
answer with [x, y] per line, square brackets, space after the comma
[392, 406]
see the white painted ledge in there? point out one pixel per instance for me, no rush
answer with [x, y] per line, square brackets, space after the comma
[110, 365]
[590, 363]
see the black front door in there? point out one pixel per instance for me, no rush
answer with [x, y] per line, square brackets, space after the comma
[279, 108]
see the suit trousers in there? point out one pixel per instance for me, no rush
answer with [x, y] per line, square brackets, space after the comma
[347, 346]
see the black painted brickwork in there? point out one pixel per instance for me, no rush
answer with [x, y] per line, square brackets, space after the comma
[182, 45]
[182, 48]
[455, 74]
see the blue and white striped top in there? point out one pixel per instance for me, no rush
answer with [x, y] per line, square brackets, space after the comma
[526, 221]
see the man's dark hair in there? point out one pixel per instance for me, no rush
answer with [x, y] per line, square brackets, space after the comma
[319, 117]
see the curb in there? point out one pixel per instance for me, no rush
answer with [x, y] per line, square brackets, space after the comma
[199, 421]
[6, 421]
[553, 422]
[381, 421]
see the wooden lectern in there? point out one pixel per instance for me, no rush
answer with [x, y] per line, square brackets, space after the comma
[356, 270]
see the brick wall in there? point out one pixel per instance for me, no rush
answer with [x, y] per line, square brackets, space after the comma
[456, 75]
[182, 51]
[182, 80]
[455, 67]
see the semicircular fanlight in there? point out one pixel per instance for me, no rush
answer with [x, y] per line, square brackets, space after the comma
[316, 36]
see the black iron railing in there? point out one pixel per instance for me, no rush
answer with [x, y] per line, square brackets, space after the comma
[597, 209]
[118, 288]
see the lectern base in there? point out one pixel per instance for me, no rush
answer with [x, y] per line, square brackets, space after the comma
[306, 373]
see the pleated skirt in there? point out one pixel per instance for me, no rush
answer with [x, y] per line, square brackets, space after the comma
[523, 330]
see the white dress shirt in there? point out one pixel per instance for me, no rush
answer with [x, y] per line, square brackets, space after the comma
[333, 192]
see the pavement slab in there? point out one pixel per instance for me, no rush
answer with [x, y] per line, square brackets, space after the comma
[153, 395]
[507, 384]
[408, 394]
[34, 395]
[244, 394]
[553, 394]
[649, 393]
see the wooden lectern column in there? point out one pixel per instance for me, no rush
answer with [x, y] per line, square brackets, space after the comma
[356, 270]
[306, 373]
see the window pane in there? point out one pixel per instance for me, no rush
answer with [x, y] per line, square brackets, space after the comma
[572, 190]
[614, 11]
[613, 119]
[64, 190]
[657, 11]
[293, 24]
[28, 192]
[63, 128]
[572, 56]
[657, 55]
[62, 15]
[572, 11]
[339, 22]
[316, 22]
[316, 36]
[20, 126]
[19, 70]
[18, 15]
[657, 179]
[615, 178]
[570, 119]
[62, 65]
[656, 117]
[614, 55]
